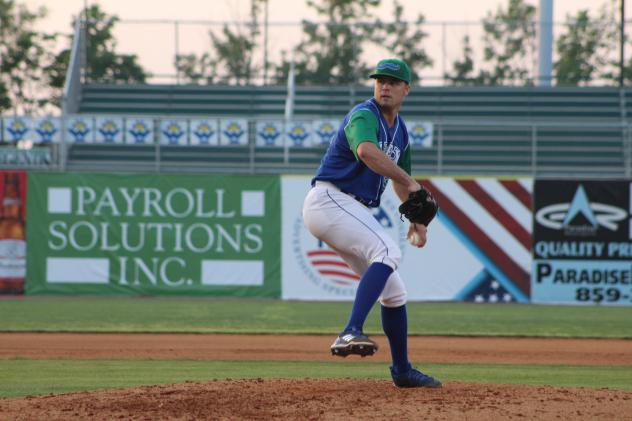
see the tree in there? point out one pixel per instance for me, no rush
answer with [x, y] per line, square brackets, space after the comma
[403, 40]
[23, 54]
[509, 44]
[608, 67]
[463, 69]
[195, 70]
[331, 53]
[103, 64]
[582, 49]
[232, 60]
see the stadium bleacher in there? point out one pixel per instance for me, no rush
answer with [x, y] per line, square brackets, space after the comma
[548, 132]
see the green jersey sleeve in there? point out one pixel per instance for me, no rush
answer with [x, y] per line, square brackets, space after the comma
[362, 127]
[404, 160]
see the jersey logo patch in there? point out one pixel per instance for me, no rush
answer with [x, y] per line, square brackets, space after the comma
[392, 152]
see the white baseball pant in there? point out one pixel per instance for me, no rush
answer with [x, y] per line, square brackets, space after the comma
[349, 228]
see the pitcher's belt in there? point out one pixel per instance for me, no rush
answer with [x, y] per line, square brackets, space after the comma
[333, 186]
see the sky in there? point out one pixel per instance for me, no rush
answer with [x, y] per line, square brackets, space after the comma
[156, 43]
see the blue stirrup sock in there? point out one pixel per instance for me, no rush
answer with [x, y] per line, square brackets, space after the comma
[369, 290]
[395, 325]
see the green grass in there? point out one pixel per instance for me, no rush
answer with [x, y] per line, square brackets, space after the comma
[21, 377]
[208, 315]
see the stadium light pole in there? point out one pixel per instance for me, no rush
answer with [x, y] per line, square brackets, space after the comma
[622, 44]
[85, 65]
[265, 44]
[545, 43]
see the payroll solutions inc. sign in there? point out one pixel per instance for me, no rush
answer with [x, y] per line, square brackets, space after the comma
[153, 234]
[582, 242]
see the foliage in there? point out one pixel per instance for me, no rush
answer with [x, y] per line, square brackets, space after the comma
[509, 44]
[583, 48]
[610, 67]
[232, 61]
[331, 53]
[103, 64]
[463, 69]
[23, 52]
[403, 40]
[195, 70]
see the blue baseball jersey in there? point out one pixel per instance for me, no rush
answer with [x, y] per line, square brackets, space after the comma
[340, 164]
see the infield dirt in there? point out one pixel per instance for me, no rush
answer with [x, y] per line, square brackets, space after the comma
[319, 399]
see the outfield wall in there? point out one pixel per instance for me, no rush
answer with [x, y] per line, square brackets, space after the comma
[159, 234]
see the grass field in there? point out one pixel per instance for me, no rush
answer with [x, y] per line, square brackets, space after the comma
[19, 377]
[40, 377]
[262, 316]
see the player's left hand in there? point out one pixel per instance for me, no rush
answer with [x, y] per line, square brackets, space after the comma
[417, 235]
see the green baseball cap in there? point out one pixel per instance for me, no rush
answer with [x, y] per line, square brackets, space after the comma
[392, 67]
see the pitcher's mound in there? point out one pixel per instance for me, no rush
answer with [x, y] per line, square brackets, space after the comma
[325, 399]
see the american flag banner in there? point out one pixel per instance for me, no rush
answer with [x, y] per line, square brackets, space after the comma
[492, 218]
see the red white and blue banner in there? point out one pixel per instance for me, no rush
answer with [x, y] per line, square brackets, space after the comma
[479, 247]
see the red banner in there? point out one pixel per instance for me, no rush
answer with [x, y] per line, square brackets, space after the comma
[12, 231]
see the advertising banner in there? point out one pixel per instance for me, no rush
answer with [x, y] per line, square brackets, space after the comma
[233, 131]
[109, 129]
[298, 134]
[324, 131]
[270, 133]
[154, 234]
[204, 131]
[40, 157]
[582, 248]
[420, 133]
[174, 132]
[478, 247]
[80, 129]
[12, 235]
[139, 131]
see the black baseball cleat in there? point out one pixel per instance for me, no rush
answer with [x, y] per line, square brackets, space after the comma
[414, 378]
[356, 343]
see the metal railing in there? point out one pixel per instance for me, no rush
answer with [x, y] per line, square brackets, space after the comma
[443, 43]
[599, 150]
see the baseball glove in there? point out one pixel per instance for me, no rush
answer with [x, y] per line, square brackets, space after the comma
[420, 207]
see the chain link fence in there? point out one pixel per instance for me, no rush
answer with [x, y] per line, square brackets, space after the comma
[443, 43]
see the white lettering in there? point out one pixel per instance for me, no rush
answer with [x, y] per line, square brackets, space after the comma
[152, 201]
[163, 271]
[55, 229]
[159, 239]
[92, 236]
[125, 237]
[189, 203]
[199, 212]
[123, 270]
[220, 205]
[86, 195]
[151, 274]
[107, 200]
[223, 234]
[207, 242]
[105, 246]
[253, 233]
[178, 237]
[129, 200]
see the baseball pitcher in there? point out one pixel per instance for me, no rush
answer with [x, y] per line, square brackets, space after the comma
[371, 148]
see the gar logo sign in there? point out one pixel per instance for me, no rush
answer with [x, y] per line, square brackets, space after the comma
[580, 217]
[324, 267]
